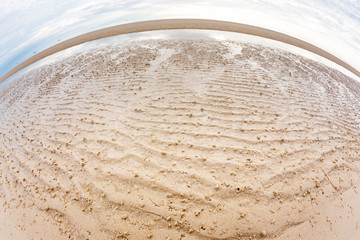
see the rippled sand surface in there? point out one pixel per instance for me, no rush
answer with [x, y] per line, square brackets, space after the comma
[180, 139]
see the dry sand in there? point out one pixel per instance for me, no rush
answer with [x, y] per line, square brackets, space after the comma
[170, 139]
[166, 24]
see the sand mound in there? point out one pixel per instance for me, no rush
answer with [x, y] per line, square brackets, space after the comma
[182, 139]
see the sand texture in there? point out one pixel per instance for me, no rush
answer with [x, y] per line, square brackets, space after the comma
[180, 139]
[166, 24]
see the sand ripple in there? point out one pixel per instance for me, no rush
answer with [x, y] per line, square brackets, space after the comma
[178, 139]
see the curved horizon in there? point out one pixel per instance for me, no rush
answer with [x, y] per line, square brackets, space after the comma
[173, 24]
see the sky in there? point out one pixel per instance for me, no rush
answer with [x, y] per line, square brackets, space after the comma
[30, 26]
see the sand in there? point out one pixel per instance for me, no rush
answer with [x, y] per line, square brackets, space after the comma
[180, 139]
[166, 24]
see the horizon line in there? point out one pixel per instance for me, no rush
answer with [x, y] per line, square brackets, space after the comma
[173, 24]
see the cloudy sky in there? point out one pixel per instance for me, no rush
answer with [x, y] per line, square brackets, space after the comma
[29, 26]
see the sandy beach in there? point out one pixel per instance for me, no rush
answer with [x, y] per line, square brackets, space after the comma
[180, 139]
[167, 24]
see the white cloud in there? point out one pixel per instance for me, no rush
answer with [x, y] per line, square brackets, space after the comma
[9, 6]
[330, 24]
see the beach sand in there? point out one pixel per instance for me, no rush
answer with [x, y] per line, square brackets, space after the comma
[167, 24]
[180, 139]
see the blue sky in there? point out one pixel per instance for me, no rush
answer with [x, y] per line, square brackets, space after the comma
[28, 26]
